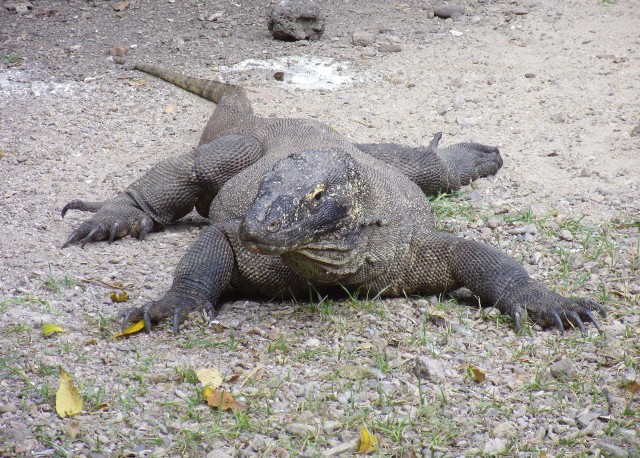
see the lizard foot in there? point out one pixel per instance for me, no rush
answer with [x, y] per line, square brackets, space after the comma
[550, 309]
[111, 220]
[173, 304]
[470, 161]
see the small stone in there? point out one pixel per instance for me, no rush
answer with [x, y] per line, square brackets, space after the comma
[344, 449]
[586, 417]
[448, 11]
[331, 427]
[217, 453]
[8, 408]
[610, 450]
[494, 222]
[495, 446]
[293, 20]
[504, 430]
[118, 51]
[585, 172]
[278, 76]
[491, 312]
[369, 53]
[429, 368]
[390, 48]
[566, 235]
[301, 429]
[362, 38]
[312, 342]
[563, 369]
[520, 11]
[529, 75]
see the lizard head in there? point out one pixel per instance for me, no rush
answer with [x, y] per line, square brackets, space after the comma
[307, 200]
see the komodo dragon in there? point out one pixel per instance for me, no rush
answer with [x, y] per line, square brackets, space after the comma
[294, 205]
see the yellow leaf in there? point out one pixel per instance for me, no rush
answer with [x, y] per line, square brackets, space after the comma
[222, 400]
[91, 342]
[49, 329]
[209, 377]
[135, 327]
[119, 297]
[368, 441]
[168, 109]
[102, 406]
[68, 399]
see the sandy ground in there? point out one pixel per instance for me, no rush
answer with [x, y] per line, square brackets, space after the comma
[555, 85]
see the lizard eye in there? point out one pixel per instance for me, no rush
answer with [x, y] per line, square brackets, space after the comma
[318, 195]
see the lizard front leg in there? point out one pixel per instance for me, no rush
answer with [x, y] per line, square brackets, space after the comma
[167, 192]
[444, 262]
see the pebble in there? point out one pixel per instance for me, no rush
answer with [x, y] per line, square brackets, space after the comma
[429, 368]
[563, 369]
[505, 430]
[529, 75]
[8, 408]
[362, 38]
[494, 222]
[610, 450]
[586, 417]
[566, 235]
[520, 11]
[390, 48]
[528, 229]
[495, 446]
[217, 453]
[301, 429]
[369, 53]
[448, 11]
[331, 427]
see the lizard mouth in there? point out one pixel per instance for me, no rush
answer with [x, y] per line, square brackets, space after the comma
[264, 248]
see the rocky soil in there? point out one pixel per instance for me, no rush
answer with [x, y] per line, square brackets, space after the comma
[555, 85]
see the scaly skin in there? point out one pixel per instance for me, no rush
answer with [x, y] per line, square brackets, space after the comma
[292, 203]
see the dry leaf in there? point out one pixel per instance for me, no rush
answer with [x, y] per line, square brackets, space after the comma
[477, 375]
[368, 441]
[168, 109]
[141, 82]
[91, 342]
[122, 296]
[49, 329]
[135, 327]
[68, 399]
[102, 406]
[121, 5]
[209, 377]
[634, 387]
[223, 400]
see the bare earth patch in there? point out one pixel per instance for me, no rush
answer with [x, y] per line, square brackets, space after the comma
[554, 85]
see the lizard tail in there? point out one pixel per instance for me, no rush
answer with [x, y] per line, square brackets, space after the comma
[208, 89]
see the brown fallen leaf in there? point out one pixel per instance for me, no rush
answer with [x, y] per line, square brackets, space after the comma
[68, 399]
[122, 296]
[135, 327]
[476, 374]
[368, 441]
[634, 387]
[222, 400]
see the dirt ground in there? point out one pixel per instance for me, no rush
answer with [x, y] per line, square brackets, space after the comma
[555, 85]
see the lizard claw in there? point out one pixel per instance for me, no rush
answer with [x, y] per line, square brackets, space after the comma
[173, 304]
[550, 309]
[112, 220]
